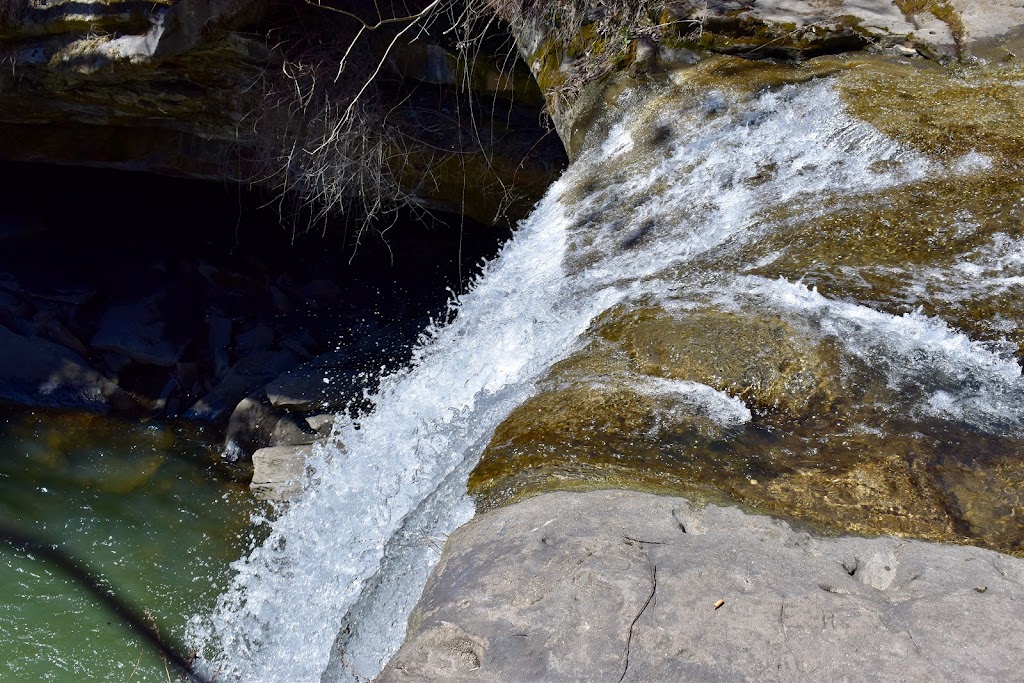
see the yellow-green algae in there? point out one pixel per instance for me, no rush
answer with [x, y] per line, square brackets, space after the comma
[839, 462]
[880, 247]
[827, 443]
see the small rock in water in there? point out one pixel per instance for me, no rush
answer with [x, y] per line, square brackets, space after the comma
[321, 424]
[278, 472]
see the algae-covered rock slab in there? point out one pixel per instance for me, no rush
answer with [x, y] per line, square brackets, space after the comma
[626, 586]
[741, 406]
[872, 329]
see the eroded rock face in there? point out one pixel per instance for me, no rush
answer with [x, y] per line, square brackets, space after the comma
[220, 90]
[627, 586]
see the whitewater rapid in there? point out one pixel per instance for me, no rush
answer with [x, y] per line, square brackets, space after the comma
[327, 595]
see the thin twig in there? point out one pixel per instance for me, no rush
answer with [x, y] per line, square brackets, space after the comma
[629, 636]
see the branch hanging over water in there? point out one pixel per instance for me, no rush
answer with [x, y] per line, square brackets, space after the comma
[129, 615]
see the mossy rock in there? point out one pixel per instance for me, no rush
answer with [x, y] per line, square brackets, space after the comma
[818, 445]
[759, 358]
[920, 246]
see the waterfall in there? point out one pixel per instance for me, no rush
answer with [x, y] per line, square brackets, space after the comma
[666, 204]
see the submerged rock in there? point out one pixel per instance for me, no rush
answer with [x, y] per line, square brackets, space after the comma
[626, 586]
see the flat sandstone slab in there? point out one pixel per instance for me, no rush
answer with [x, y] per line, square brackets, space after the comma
[616, 585]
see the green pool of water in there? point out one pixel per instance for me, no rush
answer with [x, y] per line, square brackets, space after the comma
[141, 505]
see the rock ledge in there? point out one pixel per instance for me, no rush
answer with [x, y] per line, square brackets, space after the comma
[616, 585]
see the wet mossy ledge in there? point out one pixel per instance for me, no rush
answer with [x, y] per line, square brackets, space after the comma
[818, 435]
[584, 56]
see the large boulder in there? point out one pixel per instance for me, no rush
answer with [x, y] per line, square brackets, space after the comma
[35, 372]
[624, 586]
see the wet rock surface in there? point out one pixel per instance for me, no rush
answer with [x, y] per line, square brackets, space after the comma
[584, 61]
[627, 586]
[278, 472]
[842, 329]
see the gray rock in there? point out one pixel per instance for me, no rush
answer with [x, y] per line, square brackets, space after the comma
[14, 225]
[315, 385]
[291, 430]
[280, 300]
[140, 330]
[13, 311]
[616, 585]
[35, 372]
[299, 342]
[259, 338]
[317, 290]
[47, 287]
[50, 328]
[219, 338]
[242, 379]
[278, 471]
[249, 426]
[988, 19]
[322, 424]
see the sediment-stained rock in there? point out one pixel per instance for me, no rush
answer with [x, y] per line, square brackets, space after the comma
[278, 471]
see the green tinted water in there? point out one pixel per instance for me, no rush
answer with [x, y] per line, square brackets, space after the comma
[139, 504]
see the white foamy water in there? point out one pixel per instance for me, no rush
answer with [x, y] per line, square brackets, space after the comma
[697, 399]
[952, 376]
[351, 556]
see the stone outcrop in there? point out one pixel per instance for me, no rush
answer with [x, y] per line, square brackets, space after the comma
[833, 436]
[42, 373]
[583, 55]
[632, 587]
[220, 90]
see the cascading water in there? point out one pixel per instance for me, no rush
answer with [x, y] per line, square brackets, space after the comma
[667, 204]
